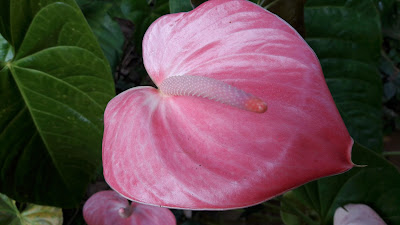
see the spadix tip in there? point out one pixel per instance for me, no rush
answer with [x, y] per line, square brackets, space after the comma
[256, 105]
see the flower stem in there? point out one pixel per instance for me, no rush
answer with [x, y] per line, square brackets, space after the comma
[126, 212]
[391, 153]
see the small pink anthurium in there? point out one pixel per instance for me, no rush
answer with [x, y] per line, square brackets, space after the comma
[356, 214]
[241, 114]
[110, 208]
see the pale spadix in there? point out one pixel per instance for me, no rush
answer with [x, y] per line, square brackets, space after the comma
[242, 113]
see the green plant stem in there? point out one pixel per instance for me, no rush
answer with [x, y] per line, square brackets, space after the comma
[299, 213]
[391, 153]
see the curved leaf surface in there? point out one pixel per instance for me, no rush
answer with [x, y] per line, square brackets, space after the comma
[32, 214]
[376, 185]
[346, 37]
[53, 96]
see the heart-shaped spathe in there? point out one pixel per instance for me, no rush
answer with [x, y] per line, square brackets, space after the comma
[206, 153]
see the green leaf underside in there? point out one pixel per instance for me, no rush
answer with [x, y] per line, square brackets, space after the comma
[376, 185]
[55, 91]
[346, 38]
[32, 214]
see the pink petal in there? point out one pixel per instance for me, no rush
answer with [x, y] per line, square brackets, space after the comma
[357, 214]
[103, 208]
[194, 153]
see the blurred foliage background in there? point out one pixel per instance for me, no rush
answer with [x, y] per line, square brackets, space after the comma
[358, 44]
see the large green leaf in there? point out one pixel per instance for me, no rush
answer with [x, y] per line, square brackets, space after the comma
[53, 93]
[31, 215]
[346, 36]
[377, 185]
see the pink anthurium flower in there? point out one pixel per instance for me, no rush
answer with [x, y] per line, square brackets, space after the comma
[242, 113]
[356, 214]
[110, 208]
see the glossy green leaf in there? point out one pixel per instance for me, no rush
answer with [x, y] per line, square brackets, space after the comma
[53, 93]
[377, 185]
[176, 6]
[107, 31]
[31, 215]
[346, 37]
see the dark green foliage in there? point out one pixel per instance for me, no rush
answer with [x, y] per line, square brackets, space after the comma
[377, 185]
[349, 56]
[54, 91]
[390, 63]
[292, 11]
[142, 13]
[106, 29]
[176, 6]
[196, 3]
